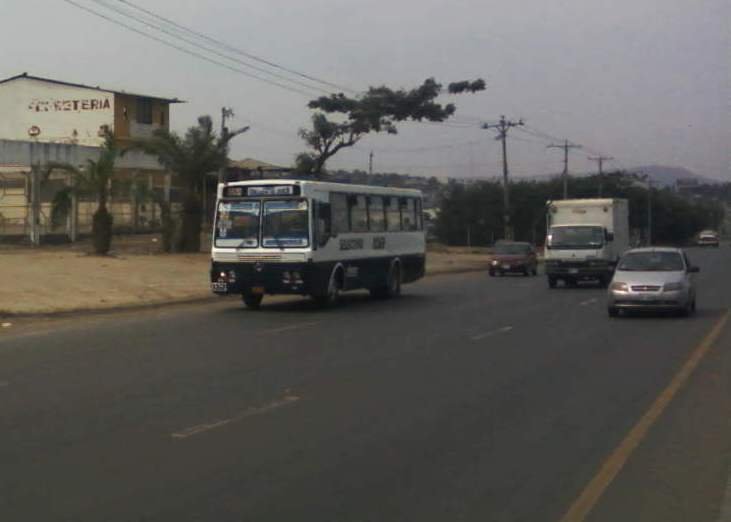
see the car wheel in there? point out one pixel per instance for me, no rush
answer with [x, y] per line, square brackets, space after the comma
[612, 311]
[252, 301]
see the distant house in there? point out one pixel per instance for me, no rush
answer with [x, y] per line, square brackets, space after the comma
[47, 120]
[46, 110]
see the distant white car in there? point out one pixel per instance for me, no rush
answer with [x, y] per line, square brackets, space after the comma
[653, 279]
[708, 238]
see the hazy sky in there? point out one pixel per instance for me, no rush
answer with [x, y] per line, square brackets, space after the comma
[645, 81]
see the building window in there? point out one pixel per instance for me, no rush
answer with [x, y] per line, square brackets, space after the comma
[144, 111]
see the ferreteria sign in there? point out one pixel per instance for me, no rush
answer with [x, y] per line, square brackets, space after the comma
[70, 105]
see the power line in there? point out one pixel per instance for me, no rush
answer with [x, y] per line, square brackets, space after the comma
[233, 49]
[176, 34]
[186, 51]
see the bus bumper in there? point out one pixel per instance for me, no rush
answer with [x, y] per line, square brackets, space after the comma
[264, 278]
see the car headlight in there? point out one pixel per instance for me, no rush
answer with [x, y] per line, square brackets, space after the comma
[495, 262]
[619, 287]
[672, 287]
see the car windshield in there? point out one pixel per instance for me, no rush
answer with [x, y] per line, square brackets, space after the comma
[652, 262]
[285, 223]
[237, 224]
[576, 237]
[511, 249]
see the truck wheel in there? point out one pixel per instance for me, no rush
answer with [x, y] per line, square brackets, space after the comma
[252, 301]
[551, 282]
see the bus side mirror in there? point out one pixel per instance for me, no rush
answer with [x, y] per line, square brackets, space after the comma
[609, 236]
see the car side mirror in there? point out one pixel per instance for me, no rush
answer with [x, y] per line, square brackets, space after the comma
[693, 269]
[609, 236]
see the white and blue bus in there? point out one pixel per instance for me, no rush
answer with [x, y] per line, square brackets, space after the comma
[315, 238]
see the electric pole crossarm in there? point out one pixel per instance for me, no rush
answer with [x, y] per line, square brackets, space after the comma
[566, 146]
[503, 126]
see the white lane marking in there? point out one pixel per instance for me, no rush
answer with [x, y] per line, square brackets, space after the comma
[588, 301]
[504, 329]
[290, 327]
[249, 412]
[6, 325]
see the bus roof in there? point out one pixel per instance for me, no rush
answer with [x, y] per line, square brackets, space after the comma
[328, 186]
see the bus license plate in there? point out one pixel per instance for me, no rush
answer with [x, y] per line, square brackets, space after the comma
[219, 286]
[257, 289]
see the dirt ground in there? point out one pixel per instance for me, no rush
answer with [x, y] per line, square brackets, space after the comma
[65, 278]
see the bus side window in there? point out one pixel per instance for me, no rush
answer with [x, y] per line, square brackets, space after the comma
[408, 214]
[376, 215]
[324, 223]
[393, 215]
[358, 213]
[339, 214]
[419, 215]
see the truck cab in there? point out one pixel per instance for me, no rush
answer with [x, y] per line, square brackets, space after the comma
[585, 239]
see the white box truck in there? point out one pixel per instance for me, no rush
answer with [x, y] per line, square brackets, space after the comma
[585, 239]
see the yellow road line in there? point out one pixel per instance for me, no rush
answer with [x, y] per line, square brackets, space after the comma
[593, 491]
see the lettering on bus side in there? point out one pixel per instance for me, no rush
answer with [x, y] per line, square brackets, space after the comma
[351, 244]
[379, 243]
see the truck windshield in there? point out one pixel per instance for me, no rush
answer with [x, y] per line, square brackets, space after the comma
[237, 224]
[578, 237]
[285, 223]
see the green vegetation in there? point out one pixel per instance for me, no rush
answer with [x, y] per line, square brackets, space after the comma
[190, 158]
[378, 110]
[476, 210]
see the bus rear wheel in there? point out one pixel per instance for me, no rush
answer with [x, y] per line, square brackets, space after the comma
[252, 301]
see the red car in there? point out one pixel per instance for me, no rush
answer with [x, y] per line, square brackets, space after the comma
[513, 257]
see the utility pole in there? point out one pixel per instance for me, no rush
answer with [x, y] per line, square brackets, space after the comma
[226, 112]
[566, 146]
[503, 126]
[370, 164]
[600, 161]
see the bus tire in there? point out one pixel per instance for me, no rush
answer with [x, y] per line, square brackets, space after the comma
[331, 294]
[392, 286]
[252, 301]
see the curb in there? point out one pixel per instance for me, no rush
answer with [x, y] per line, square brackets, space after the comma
[4, 314]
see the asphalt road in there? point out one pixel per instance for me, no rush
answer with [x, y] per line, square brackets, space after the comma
[469, 398]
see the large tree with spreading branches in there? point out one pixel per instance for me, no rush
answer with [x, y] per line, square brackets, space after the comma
[378, 110]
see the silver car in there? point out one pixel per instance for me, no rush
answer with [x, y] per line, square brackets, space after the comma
[653, 279]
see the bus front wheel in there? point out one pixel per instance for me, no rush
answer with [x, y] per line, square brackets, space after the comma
[252, 301]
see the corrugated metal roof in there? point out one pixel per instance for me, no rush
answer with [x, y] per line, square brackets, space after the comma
[82, 86]
[253, 164]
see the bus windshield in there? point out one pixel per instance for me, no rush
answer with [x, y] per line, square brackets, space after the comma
[285, 223]
[237, 224]
[576, 237]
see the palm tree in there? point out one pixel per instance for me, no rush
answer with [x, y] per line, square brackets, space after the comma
[94, 179]
[191, 157]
